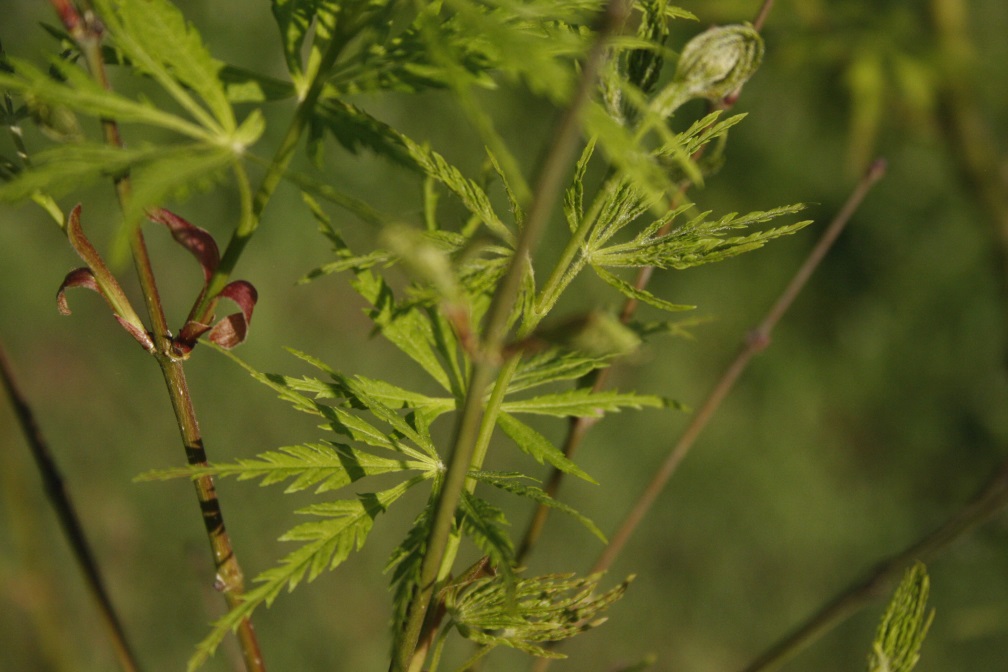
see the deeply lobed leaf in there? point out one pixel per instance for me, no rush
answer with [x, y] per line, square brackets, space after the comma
[545, 608]
[158, 41]
[323, 465]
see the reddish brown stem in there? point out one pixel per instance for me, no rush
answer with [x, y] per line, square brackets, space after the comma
[229, 579]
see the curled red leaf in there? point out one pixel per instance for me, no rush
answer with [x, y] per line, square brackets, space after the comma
[228, 331]
[83, 277]
[79, 277]
[101, 278]
[232, 330]
[198, 241]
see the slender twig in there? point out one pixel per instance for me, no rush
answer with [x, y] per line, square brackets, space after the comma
[578, 427]
[977, 162]
[229, 578]
[876, 584]
[466, 435]
[66, 512]
[756, 341]
[761, 16]
[277, 168]
[993, 498]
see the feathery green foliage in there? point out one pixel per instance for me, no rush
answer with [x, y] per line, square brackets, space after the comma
[632, 217]
[155, 41]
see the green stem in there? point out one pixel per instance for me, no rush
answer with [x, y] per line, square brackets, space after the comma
[250, 219]
[470, 424]
[229, 577]
[482, 443]
[564, 270]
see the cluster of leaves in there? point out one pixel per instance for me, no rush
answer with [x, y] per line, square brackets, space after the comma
[205, 134]
[434, 322]
[334, 50]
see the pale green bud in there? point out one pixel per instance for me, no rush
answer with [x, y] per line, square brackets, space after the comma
[718, 61]
[713, 65]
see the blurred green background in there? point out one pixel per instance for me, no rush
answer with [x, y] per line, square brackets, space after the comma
[880, 408]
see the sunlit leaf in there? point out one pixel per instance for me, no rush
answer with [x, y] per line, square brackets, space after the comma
[84, 96]
[582, 402]
[159, 42]
[327, 544]
[538, 446]
[511, 483]
[323, 465]
[531, 612]
[407, 327]
[636, 293]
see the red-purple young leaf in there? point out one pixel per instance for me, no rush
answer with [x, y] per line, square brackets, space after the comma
[233, 329]
[229, 331]
[192, 330]
[141, 336]
[105, 282]
[83, 277]
[244, 294]
[79, 277]
[198, 241]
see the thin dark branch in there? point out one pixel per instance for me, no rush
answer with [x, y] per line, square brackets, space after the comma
[756, 341]
[762, 15]
[878, 582]
[66, 513]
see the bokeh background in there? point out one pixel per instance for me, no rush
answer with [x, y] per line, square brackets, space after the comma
[879, 410]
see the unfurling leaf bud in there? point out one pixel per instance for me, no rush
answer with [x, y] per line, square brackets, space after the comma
[713, 65]
[718, 61]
